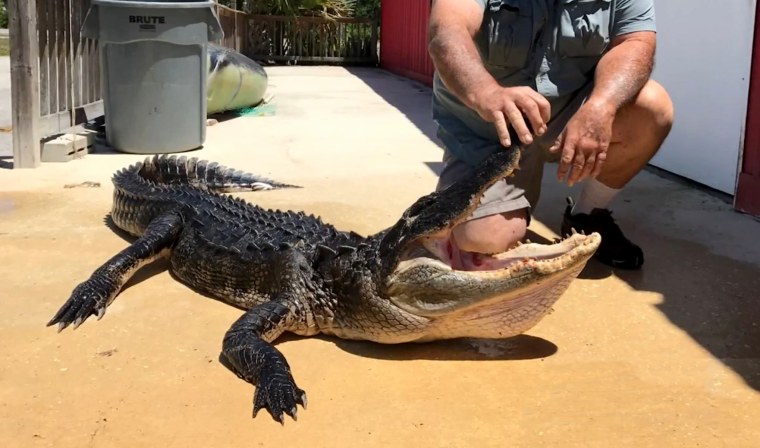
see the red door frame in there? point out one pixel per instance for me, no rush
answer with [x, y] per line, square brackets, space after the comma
[403, 39]
[748, 188]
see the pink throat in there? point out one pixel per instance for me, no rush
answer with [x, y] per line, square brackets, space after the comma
[446, 249]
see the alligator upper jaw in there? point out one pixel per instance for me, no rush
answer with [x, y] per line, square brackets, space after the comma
[424, 283]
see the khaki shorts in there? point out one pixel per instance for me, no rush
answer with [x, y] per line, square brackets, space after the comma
[523, 189]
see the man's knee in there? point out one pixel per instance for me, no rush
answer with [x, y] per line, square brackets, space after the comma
[492, 234]
[655, 102]
[647, 121]
[652, 110]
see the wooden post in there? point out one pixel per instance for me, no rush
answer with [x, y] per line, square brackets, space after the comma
[25, 89]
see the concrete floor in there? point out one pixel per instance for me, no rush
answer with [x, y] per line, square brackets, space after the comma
[664, 357]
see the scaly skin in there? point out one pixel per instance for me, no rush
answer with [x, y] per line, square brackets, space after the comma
[292, 272]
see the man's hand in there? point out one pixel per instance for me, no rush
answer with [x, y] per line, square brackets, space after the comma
[510, 106]
[453, 25]
[584, 142]
[619, 76]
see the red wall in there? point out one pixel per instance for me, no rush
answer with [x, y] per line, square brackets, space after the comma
[748, 190]
[403, 43]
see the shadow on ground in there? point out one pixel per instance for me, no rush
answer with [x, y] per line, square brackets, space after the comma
[712, 297]
[521, 347]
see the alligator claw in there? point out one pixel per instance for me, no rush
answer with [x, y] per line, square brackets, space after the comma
[279, 394]
[88, 298]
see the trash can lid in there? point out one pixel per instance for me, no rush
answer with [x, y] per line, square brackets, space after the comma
[156, 3]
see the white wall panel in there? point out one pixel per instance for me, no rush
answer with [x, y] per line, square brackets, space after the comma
[704, 60]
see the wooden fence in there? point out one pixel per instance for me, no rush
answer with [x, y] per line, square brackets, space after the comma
[69, 77]
[235, 26]
[313, 39]
[55, 74]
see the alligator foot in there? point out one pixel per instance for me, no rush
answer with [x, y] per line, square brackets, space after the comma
[89, 297]
[277, 391]
[253, 359]
[92, 296]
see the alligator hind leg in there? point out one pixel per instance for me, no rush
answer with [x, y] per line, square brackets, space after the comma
[247, 348]
[92, 296]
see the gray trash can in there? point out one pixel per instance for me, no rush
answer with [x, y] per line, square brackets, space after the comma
[154, 68]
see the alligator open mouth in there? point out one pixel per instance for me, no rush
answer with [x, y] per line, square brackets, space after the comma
[445, 250]
[420, 261]
[442, 252]
[427, 283]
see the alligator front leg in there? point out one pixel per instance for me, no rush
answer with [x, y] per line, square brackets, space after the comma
[247, 344]
[94, 294]
[251, 357]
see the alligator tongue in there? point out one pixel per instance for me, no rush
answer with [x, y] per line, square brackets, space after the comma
[446, 250]
[464, 261]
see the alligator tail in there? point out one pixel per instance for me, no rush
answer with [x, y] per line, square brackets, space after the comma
[173, 170]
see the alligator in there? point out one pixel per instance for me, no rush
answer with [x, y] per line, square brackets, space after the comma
[291, 272]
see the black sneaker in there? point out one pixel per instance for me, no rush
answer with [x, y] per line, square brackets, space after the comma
[615, 249]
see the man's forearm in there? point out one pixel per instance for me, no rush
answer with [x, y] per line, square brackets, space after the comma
[623, 72]
[458, 62]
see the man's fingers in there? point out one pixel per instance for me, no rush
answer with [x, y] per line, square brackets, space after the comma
[588, 167]
[558, 143]
[518, 123]
[531, 110]
[544, 107]
[502, 129]
[568, 154]
[600, 159]
[578, 166]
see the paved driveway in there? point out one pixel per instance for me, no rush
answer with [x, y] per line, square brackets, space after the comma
[664, 357]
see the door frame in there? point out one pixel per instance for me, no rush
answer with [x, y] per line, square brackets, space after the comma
[747, 197]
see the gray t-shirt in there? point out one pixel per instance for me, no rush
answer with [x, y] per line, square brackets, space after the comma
[552, 46]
